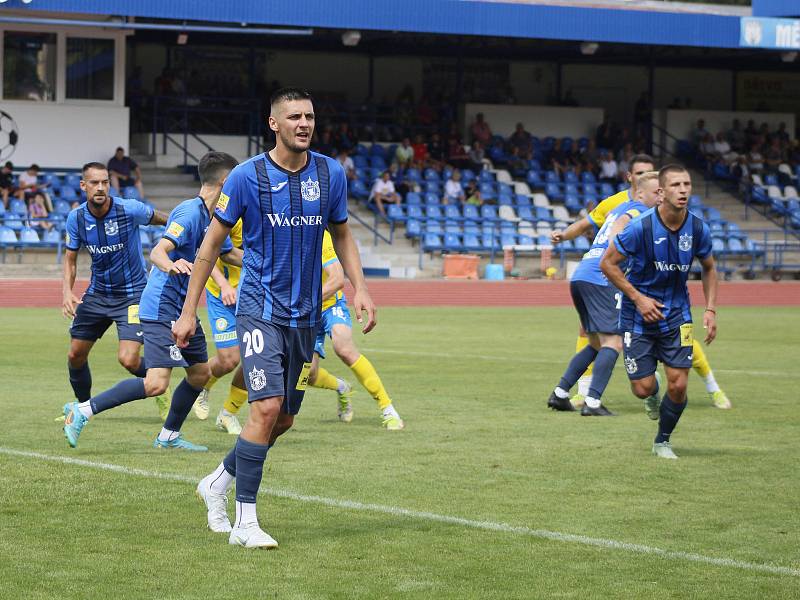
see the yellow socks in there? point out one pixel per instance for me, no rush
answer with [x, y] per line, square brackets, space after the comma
[580, 344]
[237, 397]
[368, 377]
[211, 381]
[699, 360]
[325, 380]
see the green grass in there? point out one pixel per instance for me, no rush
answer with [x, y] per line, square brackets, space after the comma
[479, 444]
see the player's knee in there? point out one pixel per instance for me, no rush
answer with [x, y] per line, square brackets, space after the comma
[283, 424]
[642, 388]
[614, 342]
[129, 361]
[155, 386]
[347, 352]
[77, 358]
[229, 362]
[199, 377]
[265, 410]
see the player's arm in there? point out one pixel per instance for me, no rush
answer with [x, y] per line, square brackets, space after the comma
[227, 293]
[159, 256]
[579, 227]
[618, 226]
[69, 301]
[159, 218]
[232, 256]
[204, 262]
[347, 251]
[710, 285]
[609, 264]
[335, 280]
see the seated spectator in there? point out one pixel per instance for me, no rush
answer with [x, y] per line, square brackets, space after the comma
[794, 154]
[773, 158]
[604, 138]
[480, 130]
[741, 170]
[698, 134]
[37, 209]
[722, 149]
[624, 160]
[473, 194]
[476, 156]
[453, 192]
[736, 137]
[608, 169]
[28, 185]
[6, 182]
[347, 164]
[574, 159]
[517, 165]
[558, 158]
[706, 148]
[436, 151]
[755, 162]
[420, 151]
[456, 155]
[782, 135]
[325, 143]
[404, 153]
[344, 139]
[521, 140]
[124, 172]
[383, 192]
[590, 157]
[750, 132]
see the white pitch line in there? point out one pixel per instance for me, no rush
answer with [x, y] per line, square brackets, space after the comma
[529, 361]
[435, 517]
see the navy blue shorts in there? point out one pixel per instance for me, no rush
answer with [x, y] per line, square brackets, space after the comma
[96, 313]
[276, 360]
[644, 350]
[161, 352]
[597, 305]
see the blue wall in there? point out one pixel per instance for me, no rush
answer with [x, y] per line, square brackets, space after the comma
[459, 17]
[776, 8]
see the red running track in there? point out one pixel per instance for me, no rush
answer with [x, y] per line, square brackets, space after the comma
[387, 292]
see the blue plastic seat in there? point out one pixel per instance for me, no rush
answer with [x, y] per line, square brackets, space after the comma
[431, 175]
[471, 212]
[581, 243]
[505, 200]
[433, 227]
[488, 212]
[7, 235]
[395, 212]
[525, 213]
[508, 239]
[413, 198]
[534, 179]
[570, 177]
[17, 207]
[377, 162]
[551, 177]
[431, 199]
[432, 187]
[606, 190]
[588, 177]
[431, 242]
[522, 200]
[471, 228]
[14, 223]
[413, 228]
[471, 242]
[452, 242]
[452, 211]
[433, 211]
[553, 191]
[413, 175]
[52, 236]
[489, 242]
[28, 235]
[414, 211]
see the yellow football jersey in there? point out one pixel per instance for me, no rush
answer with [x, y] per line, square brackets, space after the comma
[600, 212]
[231, 272]
[328, 257]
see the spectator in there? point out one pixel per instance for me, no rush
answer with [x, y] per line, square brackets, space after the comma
[755, 162]
[473, 194]
[404, 153]
[722, 149]
[782, 135]
[476, 156]
[624, 160]
[37, 209]
[698, 134]
[741, 170]
[480, 130]
[773, 157]
[325, 143]
[436, 151]
[736, 137]
[453, 192]
[383, 192]
[706, 148]
[604, 138]
[558, 158]
[347, 164]
[456, 155]
[124, 172]
[28, 185]
[344, 138]
[574, 159]
[750, 132]
[6, 182]
[517, 165]
[608, 168]
[420, 151]
[794, 154]
[590, 156]
[521, 140]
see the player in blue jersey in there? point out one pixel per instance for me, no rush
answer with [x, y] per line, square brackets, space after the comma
[655, 317]
[286, 198]
[160, 305]
[109, 230]
[598, 304]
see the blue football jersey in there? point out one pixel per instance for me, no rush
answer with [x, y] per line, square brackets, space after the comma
[114, 245]
[162, 299]
[589, 268]
[659, 260]
[284, 216]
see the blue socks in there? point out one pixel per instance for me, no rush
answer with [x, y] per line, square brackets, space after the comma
[579, 363]
[670, 415]
[250, 459]
[603, 368]
[125, 391]
[80, 379]
[229, 462]
[182, 400]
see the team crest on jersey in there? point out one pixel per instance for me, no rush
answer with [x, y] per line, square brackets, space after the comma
[685, 242]
[630, 365]
[175, 353]
[309, 190]
[257, 379]
[111, 227]
[221, 323]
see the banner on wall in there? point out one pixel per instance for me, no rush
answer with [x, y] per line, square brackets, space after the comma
[768, 92]
[777, 34]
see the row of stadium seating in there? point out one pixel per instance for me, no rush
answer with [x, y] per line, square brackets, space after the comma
[66, 186]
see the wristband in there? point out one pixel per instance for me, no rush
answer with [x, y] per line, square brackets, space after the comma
[711, 310]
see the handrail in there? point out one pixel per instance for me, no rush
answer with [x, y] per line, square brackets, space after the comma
[374, 229]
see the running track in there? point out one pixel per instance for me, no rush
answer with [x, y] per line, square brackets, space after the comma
[386, 292]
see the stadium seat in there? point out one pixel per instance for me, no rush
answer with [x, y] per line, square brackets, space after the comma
[413, 228]
[487, 190]
[773, 191]
[486, 176]
[543, 214]
[471, 242]
[570, 177]
[433, 211]
[452, 242]
[524, 199]
[414, 211]
[717, 244]
[13, 222]
[488, 212]
[434, 227]
[713, 214]
[504, 188]
[540, 200]
[452, 211]
[735, 245]
[431, 199]
[394, 212]
[413, 175]
[525, 213]
[72, 180]
[432, 187]
[507, 213]
[472, 228]
[571, 188]
[413, 198]
[467, 175]
[581, 244]
[28, 235]
[771, 179]
[129, 192]
[525, 240]
[505, 200]
[589, 189]
[51, 236]
[489, 243]
[551, 177]
[447, 172]
[560, 213]
[543, 241]
[431, 242]
[452, 227]
[553, 191]
[7, 235]
[622, 186]
[588, 177]
[360, 162]
[431, 175]
[534, 179]
[471, 212]
[526, 228]
[606, 190]
[757, 181]
[17, 207]
[572, 204]
[508, 239]
[144, 237]
[358, 189]
[377, 162]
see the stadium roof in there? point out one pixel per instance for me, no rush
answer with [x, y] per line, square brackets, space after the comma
[636, 22]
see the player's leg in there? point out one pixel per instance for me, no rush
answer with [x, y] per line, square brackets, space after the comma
[702, 367]
[345, 348]
[320, 377]
[88, 326]
[640, 364]
[672, 405]
[237, 397]
[223, 330]
[610, 347]
[585, 380]
[80, 377]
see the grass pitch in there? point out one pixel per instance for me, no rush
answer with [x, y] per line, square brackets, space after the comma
[479, 445]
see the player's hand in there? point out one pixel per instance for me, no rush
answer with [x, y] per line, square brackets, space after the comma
[556, 236]
[69, 305]
[710, 325]
[183, 329]
[362, 302]
[181, 266]
[649, 309]
[228, 295]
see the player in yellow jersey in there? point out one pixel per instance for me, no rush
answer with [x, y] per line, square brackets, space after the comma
[640, 164]
[221, 302]
[337, 324]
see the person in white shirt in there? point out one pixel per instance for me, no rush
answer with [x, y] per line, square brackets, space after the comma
[453, 192]
[608, 169]
[383, 192]
[404, 153]
[723, 149]
[347, 164]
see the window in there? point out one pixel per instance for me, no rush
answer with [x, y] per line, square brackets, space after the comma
[29, 66]
[90, 68]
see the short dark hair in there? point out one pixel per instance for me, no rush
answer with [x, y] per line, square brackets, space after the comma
[34, 167]
[9, 165]
[214, 166]
[287, 94]
[641, 158]
[120, 148]
[92, 165]
[667, 169]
